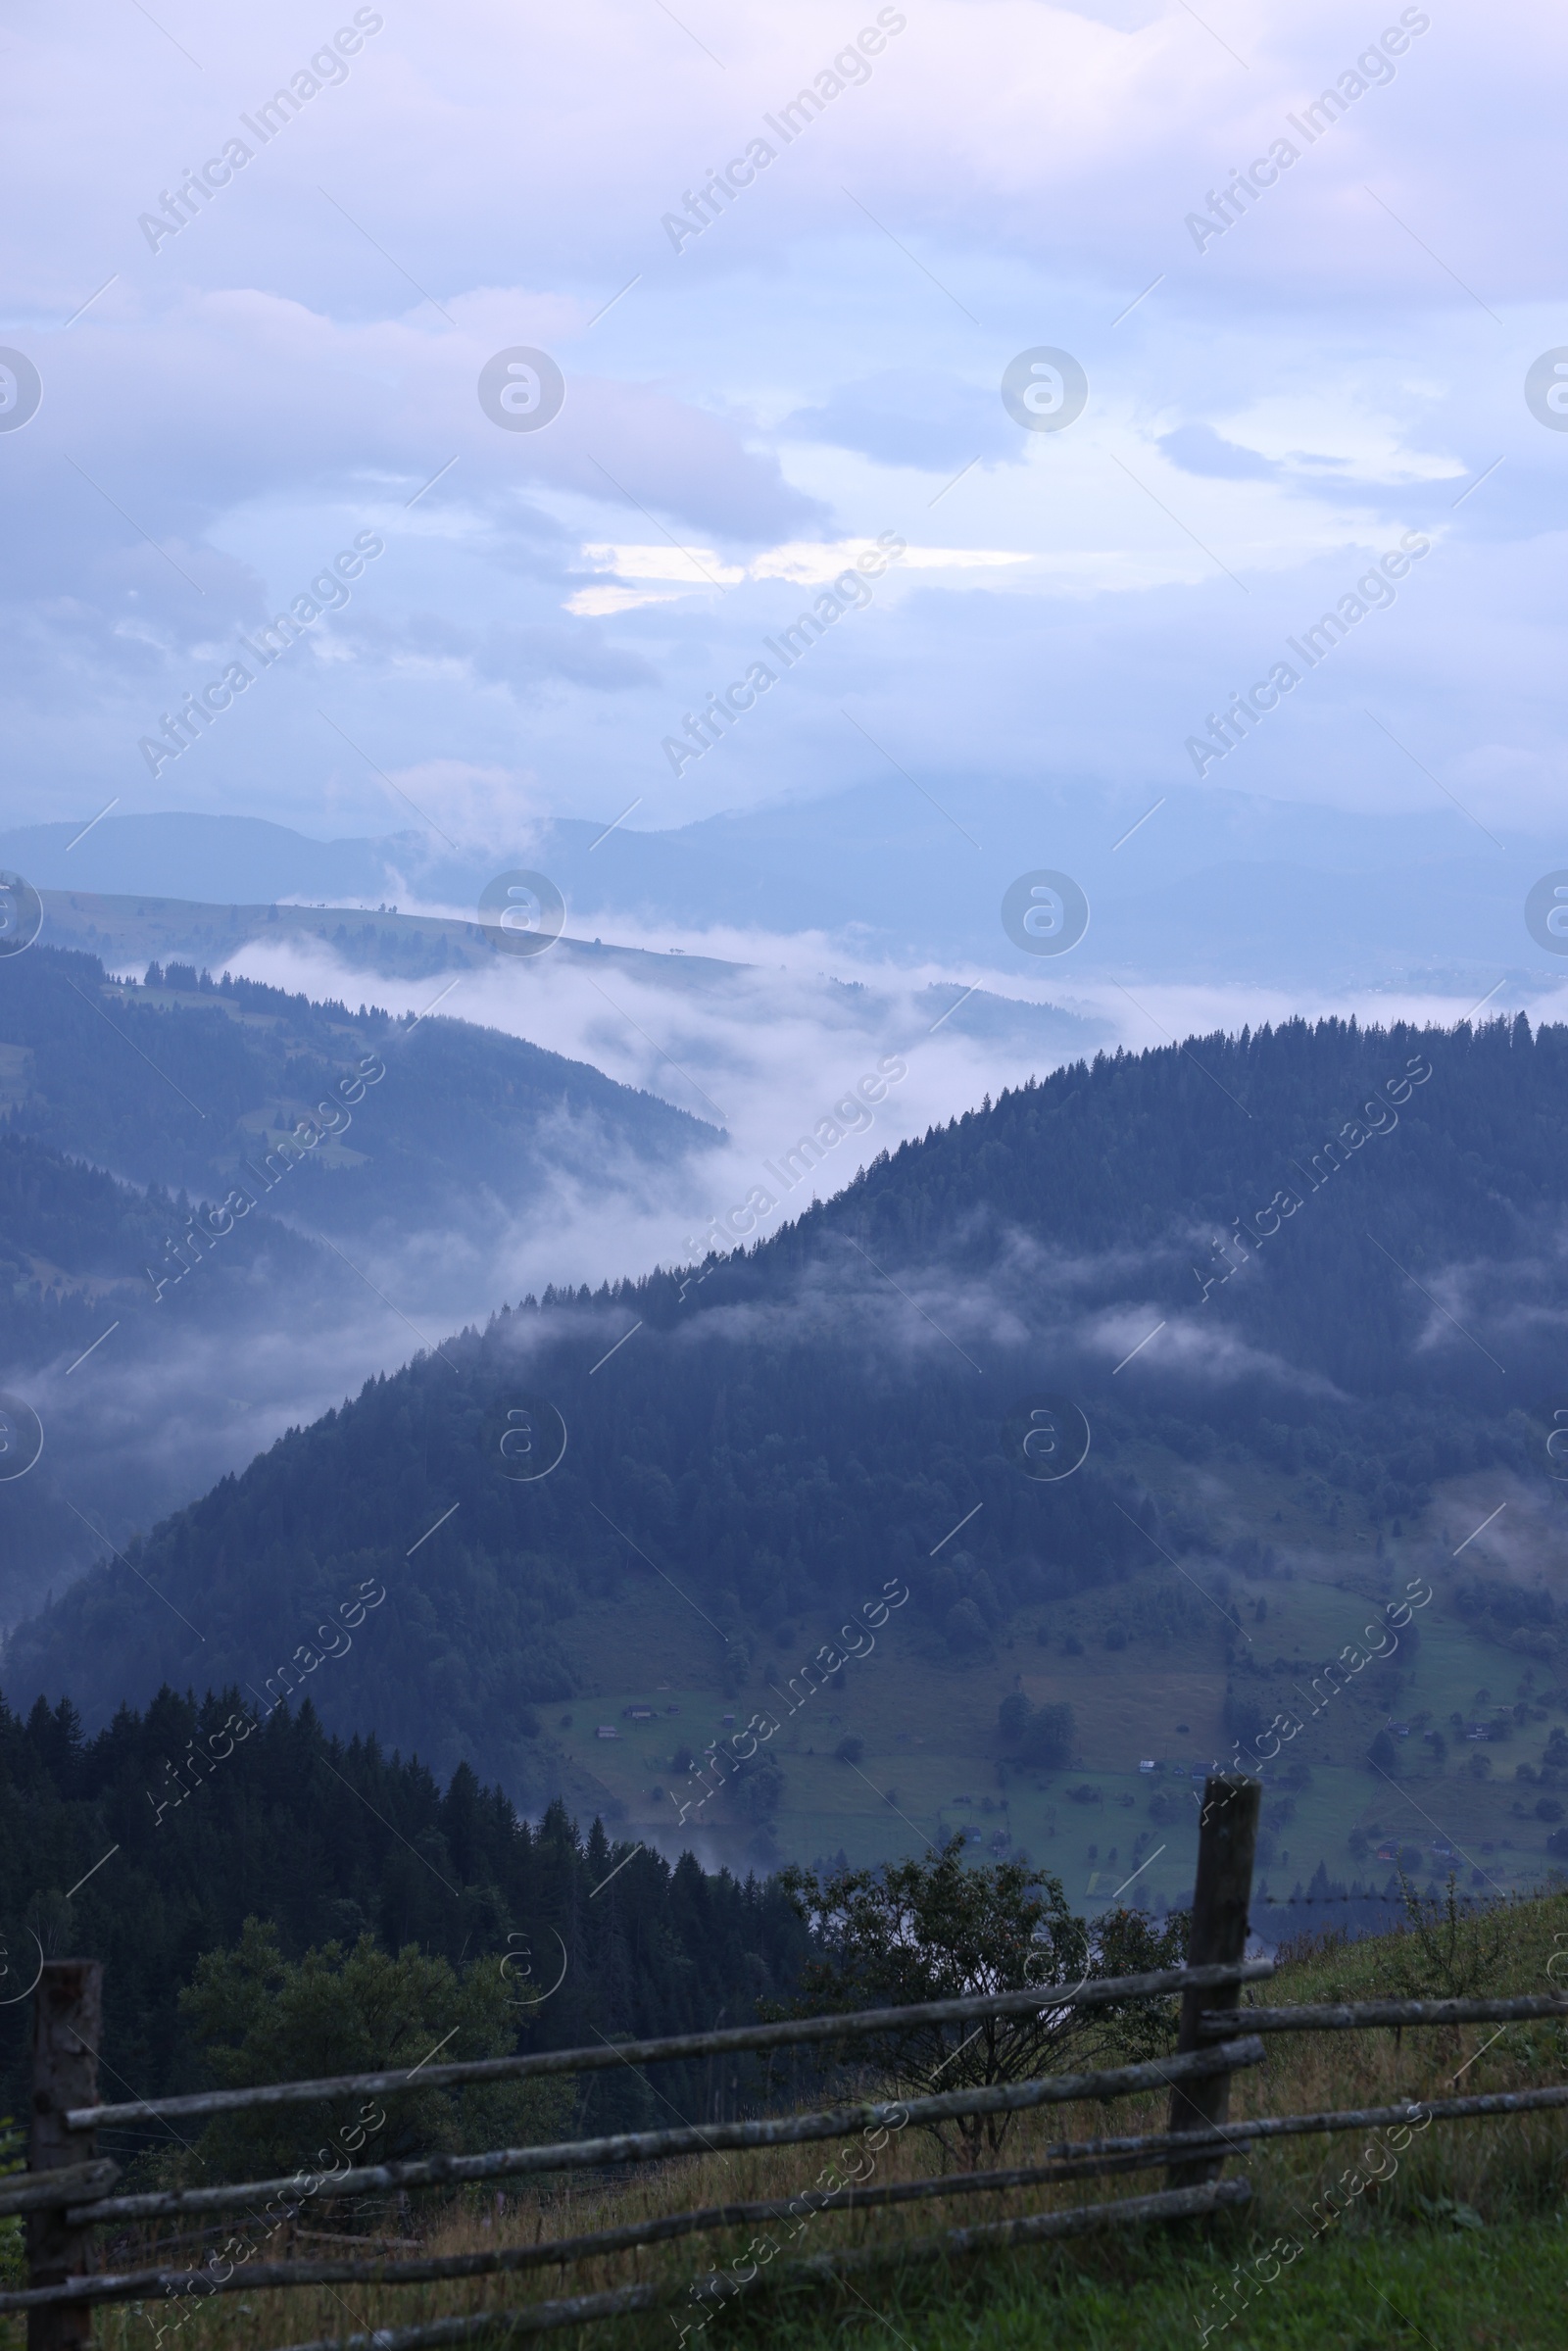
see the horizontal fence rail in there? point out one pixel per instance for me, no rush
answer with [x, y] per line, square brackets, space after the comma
[32, 2192]
[1408, 2112]
[1070, 2159]
[821, 2269]
[651, 2146]
[786, 2033]
[1358, 2015]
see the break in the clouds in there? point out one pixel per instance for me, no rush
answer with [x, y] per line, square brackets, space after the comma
[361, 207]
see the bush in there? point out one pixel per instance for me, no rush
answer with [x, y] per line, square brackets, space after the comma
[1048, 1739]
[13, 2250]
[1013, 1717]
[849, 1749]
[260, 2017]
[758, 1787]
[1448, 1948]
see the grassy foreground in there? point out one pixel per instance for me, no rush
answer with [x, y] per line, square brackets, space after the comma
[1461, 2239]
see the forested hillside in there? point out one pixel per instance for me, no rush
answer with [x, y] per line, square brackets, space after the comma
[1333, 1251]
[141, 1342]
[193, 1173]
[219, 1072]
[77, 1245]
[124, 1846]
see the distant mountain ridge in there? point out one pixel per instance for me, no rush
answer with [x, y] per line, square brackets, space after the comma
[1188, 882]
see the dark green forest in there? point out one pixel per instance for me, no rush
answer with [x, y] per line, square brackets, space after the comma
[124, 1846]
[1349, 1237]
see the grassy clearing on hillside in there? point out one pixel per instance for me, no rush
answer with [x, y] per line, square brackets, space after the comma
[1461, 2240]
[928, 1723]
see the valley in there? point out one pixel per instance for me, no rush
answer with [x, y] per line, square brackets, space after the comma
[753, 1437]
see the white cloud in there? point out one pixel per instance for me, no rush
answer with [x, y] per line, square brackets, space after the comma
[808, 563]
[598, 604]
[698, 567]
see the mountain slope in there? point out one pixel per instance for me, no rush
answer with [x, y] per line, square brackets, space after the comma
[220, 1206]
[153, 1341]
[774, 1437]
[182, 1081]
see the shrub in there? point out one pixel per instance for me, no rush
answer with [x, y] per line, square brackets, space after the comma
[260, 2017]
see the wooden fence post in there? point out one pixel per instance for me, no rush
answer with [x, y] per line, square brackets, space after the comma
[1222, 1891]
[66, 2021]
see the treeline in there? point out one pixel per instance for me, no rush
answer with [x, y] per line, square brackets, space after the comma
[102, 1856]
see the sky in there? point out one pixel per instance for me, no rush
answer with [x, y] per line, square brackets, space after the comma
[1279, 390]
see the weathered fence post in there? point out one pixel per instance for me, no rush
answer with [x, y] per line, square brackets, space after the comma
[1222, 1893]
[66, 2020]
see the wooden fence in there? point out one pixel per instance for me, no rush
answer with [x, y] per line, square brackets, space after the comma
[66, 2191]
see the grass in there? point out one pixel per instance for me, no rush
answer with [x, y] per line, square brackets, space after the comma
[1374, 2289]
[1461, 2240]
[929, 1728]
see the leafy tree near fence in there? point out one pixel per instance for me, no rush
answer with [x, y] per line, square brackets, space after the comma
[938, 1929]
[259, 2017]
[1446, 1947]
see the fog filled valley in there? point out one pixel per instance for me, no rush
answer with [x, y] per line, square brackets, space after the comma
[303, 1297]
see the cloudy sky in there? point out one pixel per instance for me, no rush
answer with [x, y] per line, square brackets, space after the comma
[1283, 387]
